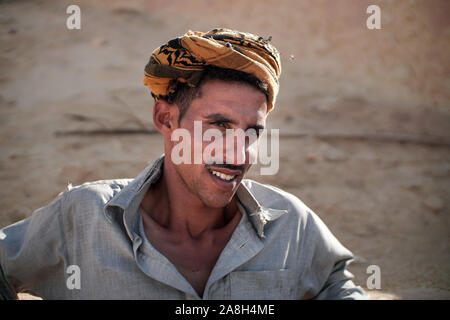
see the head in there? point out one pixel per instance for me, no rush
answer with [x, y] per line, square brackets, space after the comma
[223, 99]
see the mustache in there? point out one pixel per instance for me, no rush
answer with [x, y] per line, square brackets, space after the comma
[226, 166]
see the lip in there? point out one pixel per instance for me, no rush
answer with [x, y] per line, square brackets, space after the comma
[226, 171]
[222, 184]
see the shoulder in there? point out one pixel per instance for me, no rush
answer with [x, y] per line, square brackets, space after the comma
[92, 194]
[299, 216]
[275, 198]
[300, 220]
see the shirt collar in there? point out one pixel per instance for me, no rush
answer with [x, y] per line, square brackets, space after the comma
[258, 214]
[130, 197]
[123, 199]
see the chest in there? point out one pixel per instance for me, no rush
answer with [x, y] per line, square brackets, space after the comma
[194, 261]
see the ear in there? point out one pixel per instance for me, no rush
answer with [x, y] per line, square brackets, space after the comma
[165, 116]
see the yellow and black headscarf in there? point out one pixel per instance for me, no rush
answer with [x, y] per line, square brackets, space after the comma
[184, 59]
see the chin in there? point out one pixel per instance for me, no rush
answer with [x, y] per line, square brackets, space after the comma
[218, 200]
[211, 192]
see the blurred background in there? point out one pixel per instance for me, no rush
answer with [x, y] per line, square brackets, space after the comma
[369, 109]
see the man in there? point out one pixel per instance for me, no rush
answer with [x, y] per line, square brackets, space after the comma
[184, 230]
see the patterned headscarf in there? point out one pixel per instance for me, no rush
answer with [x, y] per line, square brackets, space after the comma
[185, 58]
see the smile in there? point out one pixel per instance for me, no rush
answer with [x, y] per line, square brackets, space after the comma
[223, 176]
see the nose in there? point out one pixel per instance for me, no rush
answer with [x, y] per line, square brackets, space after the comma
[235, 147]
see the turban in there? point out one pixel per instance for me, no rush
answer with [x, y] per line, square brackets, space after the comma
[185, 58]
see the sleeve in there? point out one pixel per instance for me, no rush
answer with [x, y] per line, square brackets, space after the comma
[31, 250]
[329, 265]
[339, 285]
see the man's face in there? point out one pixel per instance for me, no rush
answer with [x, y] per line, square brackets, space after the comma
[221, 106]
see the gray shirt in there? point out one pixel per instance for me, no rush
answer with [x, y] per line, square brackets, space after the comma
[89, 243]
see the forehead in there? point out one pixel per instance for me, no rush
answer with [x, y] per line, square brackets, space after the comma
[237, 100]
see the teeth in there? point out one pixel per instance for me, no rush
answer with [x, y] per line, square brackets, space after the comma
[222, 176]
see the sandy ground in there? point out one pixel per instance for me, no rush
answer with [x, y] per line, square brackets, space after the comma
[386, 201]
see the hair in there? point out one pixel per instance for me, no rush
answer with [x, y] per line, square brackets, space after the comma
[185, 94]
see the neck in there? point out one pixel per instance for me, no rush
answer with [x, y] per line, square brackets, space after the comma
[172, 206]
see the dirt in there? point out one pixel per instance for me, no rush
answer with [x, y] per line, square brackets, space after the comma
[386, 199]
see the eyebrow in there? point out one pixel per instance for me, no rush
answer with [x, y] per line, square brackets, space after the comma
[218, 117]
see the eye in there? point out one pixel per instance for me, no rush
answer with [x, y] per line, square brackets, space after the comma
[253, 132]
[219, 124]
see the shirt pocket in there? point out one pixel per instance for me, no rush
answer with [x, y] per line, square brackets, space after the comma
[261, 285]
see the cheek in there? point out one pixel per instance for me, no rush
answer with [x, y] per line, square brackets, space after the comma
[192, 175]
[197, 143]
